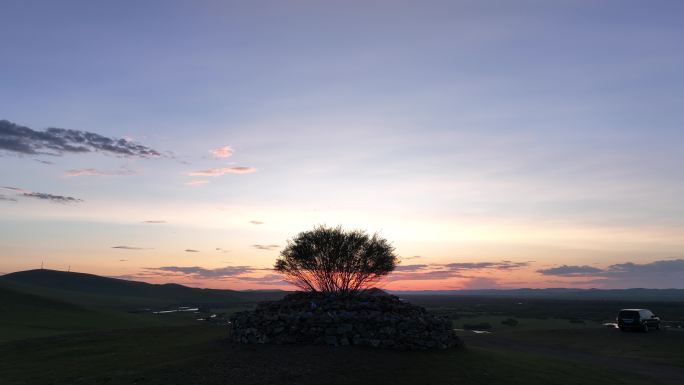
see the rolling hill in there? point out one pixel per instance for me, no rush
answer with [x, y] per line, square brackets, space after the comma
[29, 315]
[93, 290]
[37, 303]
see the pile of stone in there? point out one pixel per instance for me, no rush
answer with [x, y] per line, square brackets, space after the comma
[370, 319]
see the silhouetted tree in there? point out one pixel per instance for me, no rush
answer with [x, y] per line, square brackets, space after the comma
[332, 260]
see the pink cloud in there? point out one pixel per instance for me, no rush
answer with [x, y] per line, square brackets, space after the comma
[223, 170]
[196, 182]
[222, 152]
[94, 172]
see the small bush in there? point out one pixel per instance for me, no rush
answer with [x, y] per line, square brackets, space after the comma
[510, 322]
[480, 326]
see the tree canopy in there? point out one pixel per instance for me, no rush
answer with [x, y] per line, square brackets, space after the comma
[333, 260]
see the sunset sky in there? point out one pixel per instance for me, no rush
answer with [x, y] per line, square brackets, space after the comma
[496, 144]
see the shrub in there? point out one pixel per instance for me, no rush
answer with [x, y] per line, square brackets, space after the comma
[332, 260]
[510, 322]
[480, 326]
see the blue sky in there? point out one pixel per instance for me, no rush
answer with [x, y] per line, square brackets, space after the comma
[464, 131]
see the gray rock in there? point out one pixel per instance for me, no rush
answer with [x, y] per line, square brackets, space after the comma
[382, 321]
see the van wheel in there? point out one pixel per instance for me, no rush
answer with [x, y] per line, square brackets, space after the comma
[645, 329]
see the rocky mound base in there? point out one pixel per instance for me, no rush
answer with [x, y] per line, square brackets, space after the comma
[383, 321]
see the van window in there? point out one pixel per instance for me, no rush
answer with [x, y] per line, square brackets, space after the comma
[629, 314]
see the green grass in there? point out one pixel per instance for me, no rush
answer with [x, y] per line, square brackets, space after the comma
[596, 310]
[27, 315]
[43, 303]
[524, 323]
[200, 354]
[52, 333]
[664, 347]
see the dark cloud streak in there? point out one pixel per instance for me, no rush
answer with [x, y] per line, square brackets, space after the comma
[94, 172]
[265, 247]
[657, 274]
[420, 272]
[42, 196]
[200, 272]
[6, 198]
[503, 265]
[58, 141]
[570, 271]
[618, 270]
[130, 248]
[51, 197]
[411, 267]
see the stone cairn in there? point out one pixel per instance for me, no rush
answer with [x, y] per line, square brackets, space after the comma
[370, 319]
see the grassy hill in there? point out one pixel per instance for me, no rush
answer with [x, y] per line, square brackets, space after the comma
[30, 315]
[37, 303]
[94, 290]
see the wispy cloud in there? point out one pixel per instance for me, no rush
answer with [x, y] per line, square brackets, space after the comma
[268, 279]
[223, 170]
[661, 274]
[6, 198]
[248, 274]
[420, 272]
[616, 270]
[256, 222]
[663, 266]
[154, 221]
[425, 275]
[570, 271]
[95, 172]
[222, 152]
[503, 265]
[130, 248]
[479, 283]
[200, 272]
[58, 141]
[196, 182]
[191, 251]
[52, 198]
[265, 247]
[44, 161]
[411, 267]
[42, 196]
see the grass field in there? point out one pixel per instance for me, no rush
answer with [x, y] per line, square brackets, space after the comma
[200, 355]
[664, 347]
[50, 337]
